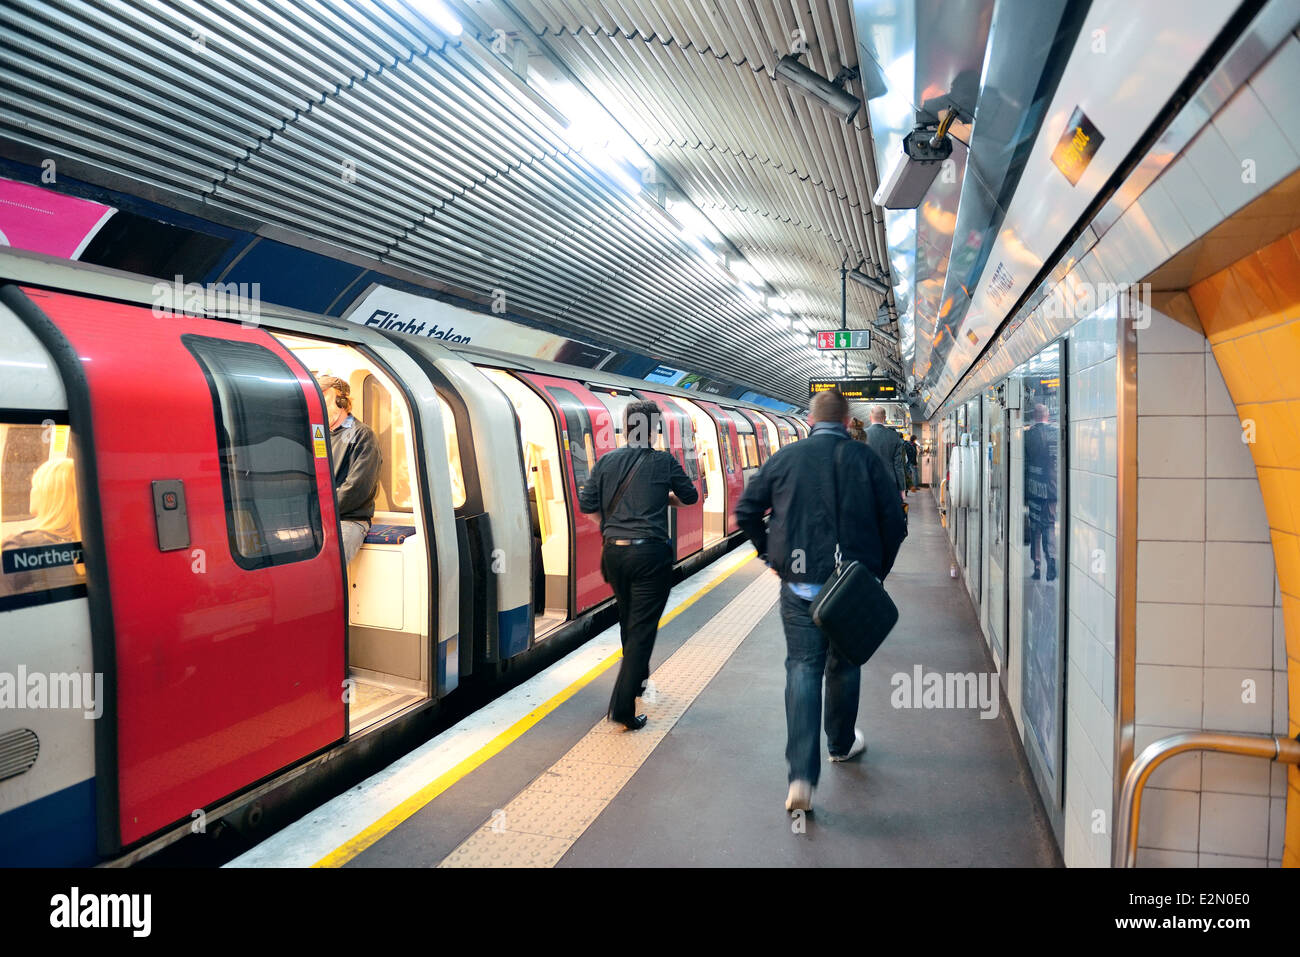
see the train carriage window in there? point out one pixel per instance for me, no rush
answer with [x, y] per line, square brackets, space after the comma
[389, 425]
[577, 424]
[40, 521]
[268, 473]
[687, 433]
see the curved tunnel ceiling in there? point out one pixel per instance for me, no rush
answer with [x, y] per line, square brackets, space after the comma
[365, 127]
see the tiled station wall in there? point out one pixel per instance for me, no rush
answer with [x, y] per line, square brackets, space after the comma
[1250, 313]
[1090, 601]
[1209, 651]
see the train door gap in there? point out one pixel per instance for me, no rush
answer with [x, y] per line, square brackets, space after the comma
[389, 656]
[548, 510]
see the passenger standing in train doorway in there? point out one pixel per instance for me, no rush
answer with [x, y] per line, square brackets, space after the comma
[632, 488]
[356, 465]
[799, 486]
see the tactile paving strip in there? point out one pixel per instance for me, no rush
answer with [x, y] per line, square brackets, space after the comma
[543, 821]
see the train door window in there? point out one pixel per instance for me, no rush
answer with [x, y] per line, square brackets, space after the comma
[40, 520]
[578, 434]
[687, 436]
[707, 433]
[548, 509]
[268, 472]
[388, 580]
[453, 454]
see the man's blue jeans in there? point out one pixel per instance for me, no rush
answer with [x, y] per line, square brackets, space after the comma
[809, 657]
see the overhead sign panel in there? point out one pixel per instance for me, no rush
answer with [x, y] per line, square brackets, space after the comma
[872, 388]
[844, 339]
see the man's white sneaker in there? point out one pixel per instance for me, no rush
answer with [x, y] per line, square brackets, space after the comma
[800, 796]
[859, 745]
[650, 694]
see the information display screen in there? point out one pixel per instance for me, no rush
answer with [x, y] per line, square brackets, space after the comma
[872, 388]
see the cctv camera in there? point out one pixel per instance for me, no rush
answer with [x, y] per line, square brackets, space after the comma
[910, 177]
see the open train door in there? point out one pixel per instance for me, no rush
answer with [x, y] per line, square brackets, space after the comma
[679, 435]
[729, 440]
[211, 548]
[586, 433]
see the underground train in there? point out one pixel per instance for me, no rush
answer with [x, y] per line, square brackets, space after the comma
[179, 637]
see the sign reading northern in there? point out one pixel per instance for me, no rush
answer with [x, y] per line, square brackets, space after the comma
[844, 339]
[874, 388]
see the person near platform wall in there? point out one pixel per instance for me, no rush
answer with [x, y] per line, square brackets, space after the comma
[632, 488]
[888, 445]
[798, 543]
[913, 453]
[357, 462]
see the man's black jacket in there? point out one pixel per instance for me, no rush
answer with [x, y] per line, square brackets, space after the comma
[795, 484]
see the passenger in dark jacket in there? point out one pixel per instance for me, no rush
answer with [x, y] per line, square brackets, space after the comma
[888, 444]
[632, 489]
[356, 465]
[795, 486]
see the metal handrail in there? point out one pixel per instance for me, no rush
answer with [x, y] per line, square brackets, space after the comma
[1273, 747]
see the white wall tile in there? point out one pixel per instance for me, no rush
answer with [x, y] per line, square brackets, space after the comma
[1170, 820]
[1238, 573]
[1275, 84]
[1192, 197]
[1235, 774]
[1224, 709]
[1224, 860]
[1276, 827]
[1219, 169]
[1218, 401]
[1234, 511]
[1182, 772]
[1171, 446]
[1238, 636]
[1251, 133]
[1168, 695]
[1171, 384]
[1165, 219]
[1281, 717]
[1234, 824]
[1156, 857]
[1171, 571]
[1170, 634]
[1166, 334]
[1226, 456]
[1279, 640]
[1171, 509]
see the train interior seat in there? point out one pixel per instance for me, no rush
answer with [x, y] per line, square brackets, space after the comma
[544, 470]
[388, 591]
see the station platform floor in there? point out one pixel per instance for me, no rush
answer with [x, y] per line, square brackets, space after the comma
[539, 778]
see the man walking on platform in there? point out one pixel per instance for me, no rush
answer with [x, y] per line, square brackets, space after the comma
[888, 444]
[799, 544]
[632, 488]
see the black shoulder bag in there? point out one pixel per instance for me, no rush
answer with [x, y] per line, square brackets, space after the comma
[852, 609]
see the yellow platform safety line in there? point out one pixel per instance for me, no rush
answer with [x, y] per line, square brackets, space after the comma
[371, 835]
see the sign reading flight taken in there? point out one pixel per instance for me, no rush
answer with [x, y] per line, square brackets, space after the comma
[844, 339]
[874, 388]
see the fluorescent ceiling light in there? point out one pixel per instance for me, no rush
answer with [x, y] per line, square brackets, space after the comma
[442, 17]
[816, 87]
